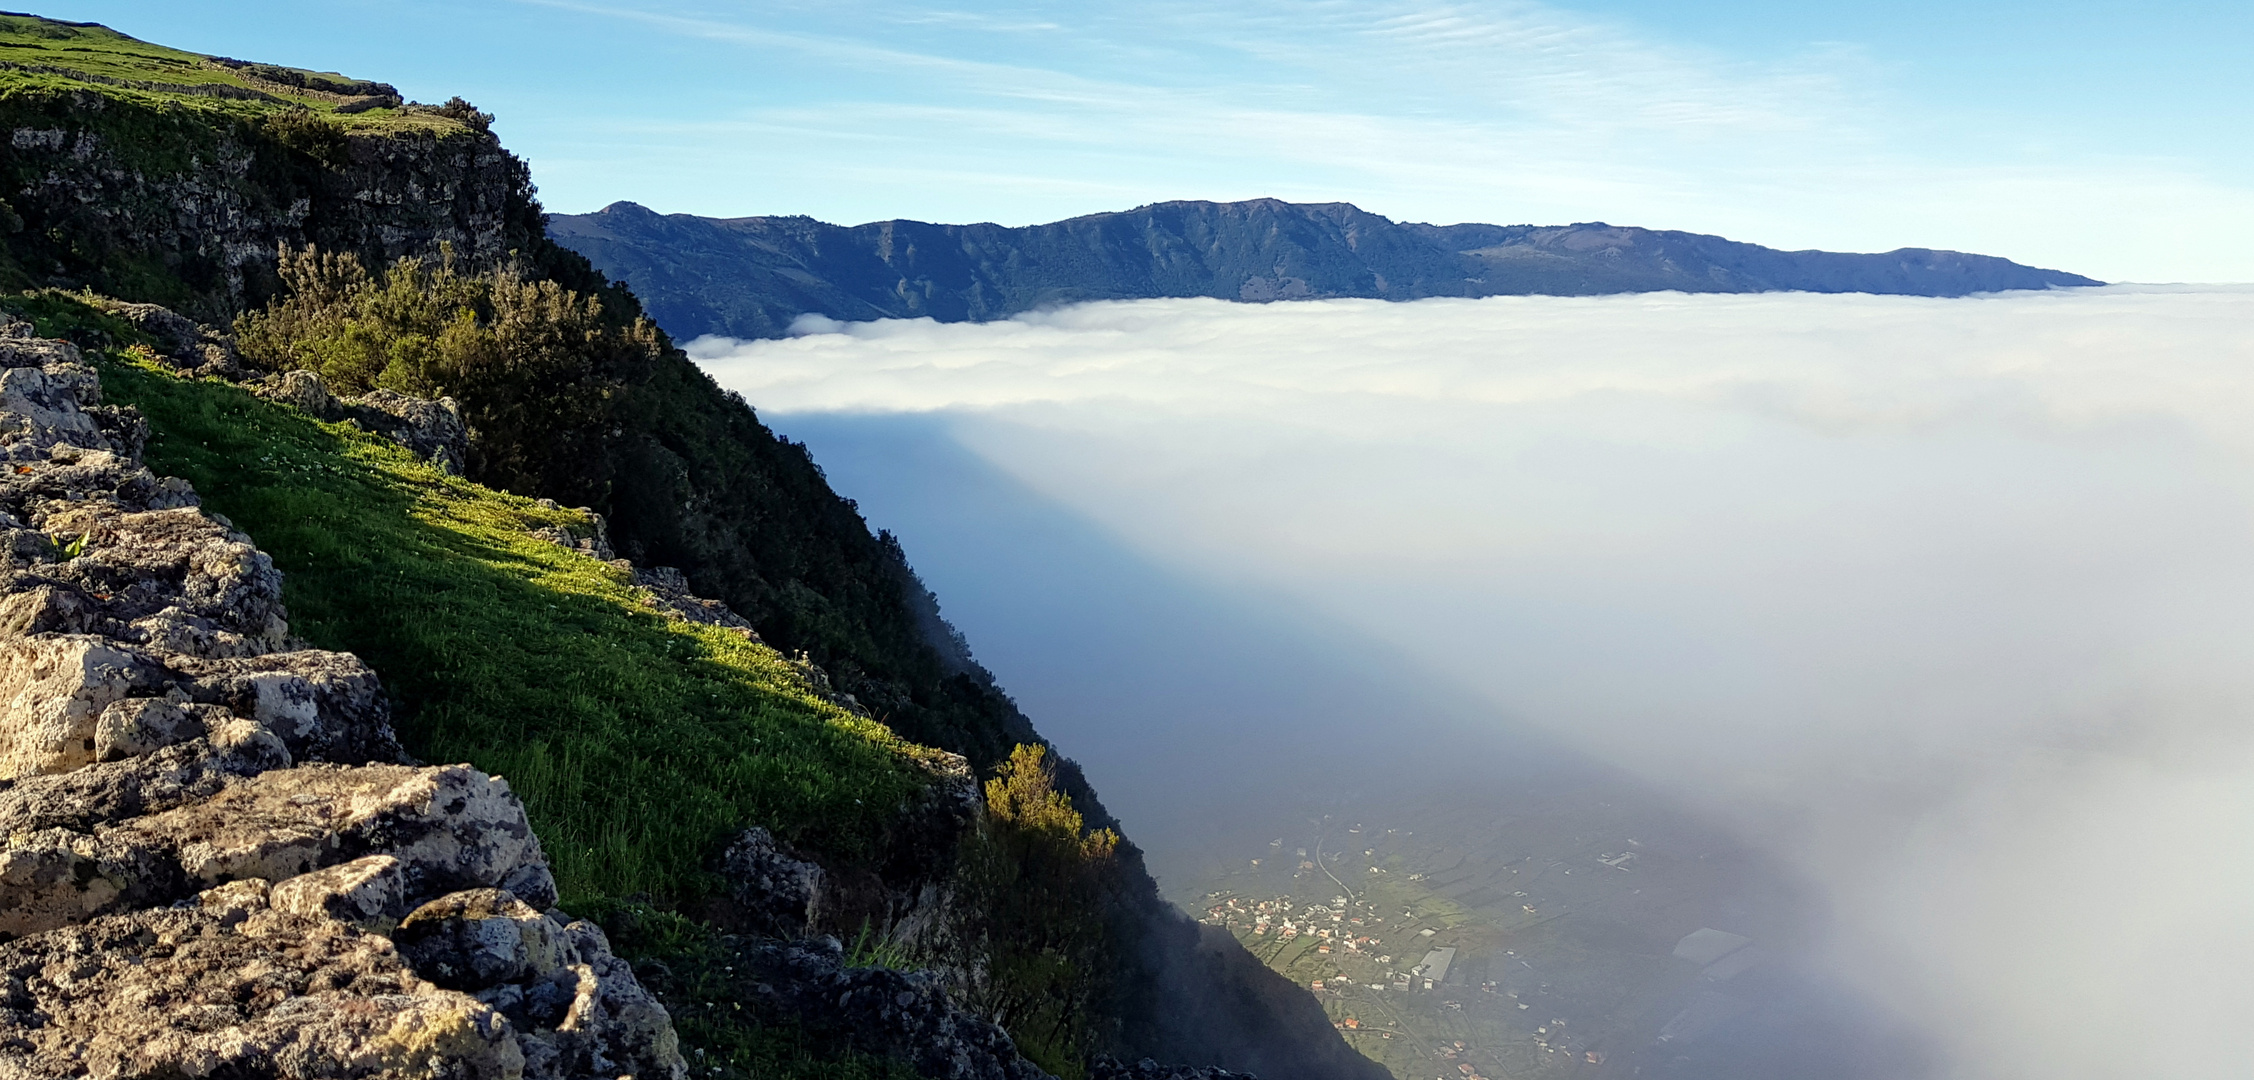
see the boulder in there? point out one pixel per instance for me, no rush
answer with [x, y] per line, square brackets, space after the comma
[233, 988]
[432, 430]
[305, 390]
[774, 893]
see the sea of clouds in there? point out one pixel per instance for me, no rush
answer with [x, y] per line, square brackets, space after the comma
[1949, 603]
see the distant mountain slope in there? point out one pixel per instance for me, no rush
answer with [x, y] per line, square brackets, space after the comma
[749, 277]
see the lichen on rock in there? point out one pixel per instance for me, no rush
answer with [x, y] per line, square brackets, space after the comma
[211, 832]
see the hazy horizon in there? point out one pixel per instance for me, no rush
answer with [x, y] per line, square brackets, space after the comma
[1943, 603]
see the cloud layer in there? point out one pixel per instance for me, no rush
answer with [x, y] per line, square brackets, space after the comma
[1949, 602]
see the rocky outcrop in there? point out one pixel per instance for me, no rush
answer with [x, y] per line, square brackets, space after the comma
[904, 1015]
[217, 860]
[432, 429]
[156, 202]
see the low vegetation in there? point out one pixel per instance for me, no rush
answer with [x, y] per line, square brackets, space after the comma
[572, 396]
[638, 743]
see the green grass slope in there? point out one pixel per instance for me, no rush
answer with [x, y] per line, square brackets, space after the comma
[47, 56]
[638, 743]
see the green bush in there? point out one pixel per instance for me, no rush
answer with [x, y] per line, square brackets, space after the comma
[533, 364]
[1034, 882]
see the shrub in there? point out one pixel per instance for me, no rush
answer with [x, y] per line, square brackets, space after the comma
[532, 363]
[309, 133]
[1034, 884]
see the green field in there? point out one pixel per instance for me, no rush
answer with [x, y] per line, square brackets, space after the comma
[42, 55]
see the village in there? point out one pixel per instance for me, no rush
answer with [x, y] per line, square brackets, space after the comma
[1477, 949]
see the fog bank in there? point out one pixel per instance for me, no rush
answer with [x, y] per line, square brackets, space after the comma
[1949, 603]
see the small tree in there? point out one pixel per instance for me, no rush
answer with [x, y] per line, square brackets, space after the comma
[1034, 881]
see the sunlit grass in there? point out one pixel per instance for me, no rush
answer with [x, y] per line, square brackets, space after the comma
[638, 743]
[31, 44]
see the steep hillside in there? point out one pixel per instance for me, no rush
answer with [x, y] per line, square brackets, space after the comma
[749, 277]
[719, 862]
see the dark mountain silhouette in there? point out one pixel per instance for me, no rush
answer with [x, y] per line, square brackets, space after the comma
[750, 277]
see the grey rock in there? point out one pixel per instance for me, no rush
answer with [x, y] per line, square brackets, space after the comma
[369, 892]
[304, 390]
[432, 430]
[775, 893]
[907, 1016]
[1106, 1067]
[232, 988]
[582, 1010]
[670, 593]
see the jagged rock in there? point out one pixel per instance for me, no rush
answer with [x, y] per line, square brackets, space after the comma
[902, 1015]
[582, 1009]
[669, 593]
[325, 706]
[477, 939]
[175, 333]
[54, 690]
[774, 893]
[450, 828]
[607, 1025]
[185, 344]
[176, 568]
[231, 988]
[305, 390]
[115, 790]
[69, 700]
[432, 430]
[41, 406]
[367, 892]
[591, 540]
[1106, 1067]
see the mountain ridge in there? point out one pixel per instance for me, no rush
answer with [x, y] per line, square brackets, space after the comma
[751, 277]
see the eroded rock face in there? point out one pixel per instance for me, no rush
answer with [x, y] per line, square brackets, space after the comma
[211, 833]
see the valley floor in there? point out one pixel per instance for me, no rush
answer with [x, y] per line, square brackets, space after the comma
[1507, 939]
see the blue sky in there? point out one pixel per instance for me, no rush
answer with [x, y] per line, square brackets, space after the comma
[2109, 139]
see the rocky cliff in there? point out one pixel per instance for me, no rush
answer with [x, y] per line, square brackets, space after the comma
[218, 861]
[750, 277]
[182, 192]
